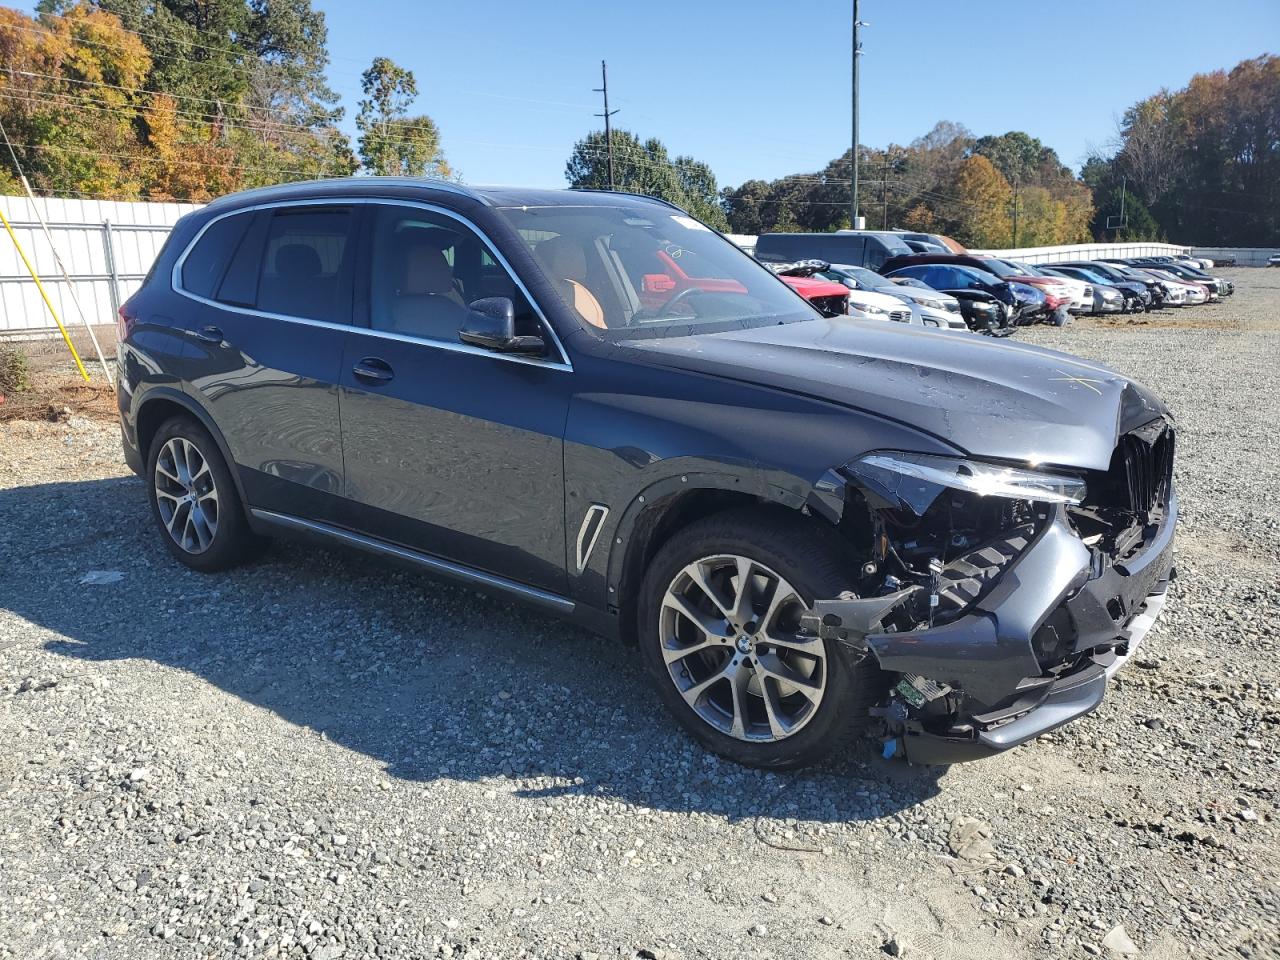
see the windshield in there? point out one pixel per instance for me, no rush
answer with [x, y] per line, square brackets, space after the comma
[1094, 277]
[866, 278]
[645, 270]
[1000, 269]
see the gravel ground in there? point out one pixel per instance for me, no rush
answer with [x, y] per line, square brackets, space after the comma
[319, 757]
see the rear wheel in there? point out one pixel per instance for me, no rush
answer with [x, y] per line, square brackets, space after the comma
[719, 634]
[194, 499]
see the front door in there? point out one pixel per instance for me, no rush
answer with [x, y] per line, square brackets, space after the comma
[452, 449]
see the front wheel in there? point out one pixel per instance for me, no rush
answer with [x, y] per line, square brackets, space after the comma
[719, 635]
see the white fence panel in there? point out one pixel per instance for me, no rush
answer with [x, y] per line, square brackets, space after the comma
[1085, 251]
[1243, 256]
[107, 247]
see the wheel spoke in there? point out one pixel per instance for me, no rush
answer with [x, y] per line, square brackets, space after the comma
[200, 524]
[168, 496]
[738, 681]
[804, 644]
[704, 623]
[165, 471]
[779, 594]
[772, 708]
[698, 574]
[741, 612]
[178, 452]
[193, 458]
[178, 520]
[695, 692]
[673, 654]
[771, 666]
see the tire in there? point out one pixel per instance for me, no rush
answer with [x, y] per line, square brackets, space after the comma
[782, 549]
[212, 533]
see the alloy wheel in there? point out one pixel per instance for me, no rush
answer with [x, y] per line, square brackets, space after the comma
[187, 495]
[729, 634]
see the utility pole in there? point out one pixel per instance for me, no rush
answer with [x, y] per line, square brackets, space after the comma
[857, 52]
[1123, 182]
[1015, 213]
[608, 134]
[884, 193]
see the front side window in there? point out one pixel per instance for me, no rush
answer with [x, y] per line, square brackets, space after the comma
[426, 268]
[644, 270]
[306, 264]
[877, 254]
[999, 268]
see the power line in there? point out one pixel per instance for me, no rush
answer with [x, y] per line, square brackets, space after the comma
[247, 54]
[205, 165]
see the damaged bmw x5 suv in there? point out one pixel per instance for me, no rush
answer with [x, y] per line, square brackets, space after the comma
[810, 528]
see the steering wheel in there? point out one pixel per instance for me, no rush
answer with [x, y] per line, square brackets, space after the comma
[680, 297]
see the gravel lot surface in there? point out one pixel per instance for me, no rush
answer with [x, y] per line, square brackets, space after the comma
[319, 757]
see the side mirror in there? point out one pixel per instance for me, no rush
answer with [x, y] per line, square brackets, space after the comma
[491, 323]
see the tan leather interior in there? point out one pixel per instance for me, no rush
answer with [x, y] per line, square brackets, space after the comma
[566, 262]
[427, 272]
[427, 302]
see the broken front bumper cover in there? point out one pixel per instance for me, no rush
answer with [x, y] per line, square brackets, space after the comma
[987, 655]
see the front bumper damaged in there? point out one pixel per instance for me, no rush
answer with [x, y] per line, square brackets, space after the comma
[985, 659]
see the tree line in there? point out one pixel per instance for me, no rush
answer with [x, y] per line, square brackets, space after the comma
[1197, 165]
[180, 100]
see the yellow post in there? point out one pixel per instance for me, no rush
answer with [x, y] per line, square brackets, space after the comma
[47, 302]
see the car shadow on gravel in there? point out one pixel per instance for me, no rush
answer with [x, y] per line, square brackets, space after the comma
[430, 679]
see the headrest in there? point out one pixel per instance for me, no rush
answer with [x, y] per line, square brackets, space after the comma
[426, 271]
[297, 261]
[563, 258]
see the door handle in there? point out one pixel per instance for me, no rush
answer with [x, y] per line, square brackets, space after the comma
[210, 335]
[374, 370]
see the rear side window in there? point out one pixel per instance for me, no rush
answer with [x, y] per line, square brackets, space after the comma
[306, 264]
[207, 261]
[878, 252]
[239, 287]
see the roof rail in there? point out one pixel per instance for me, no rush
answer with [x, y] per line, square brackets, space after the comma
[302, 186]
[628, 193]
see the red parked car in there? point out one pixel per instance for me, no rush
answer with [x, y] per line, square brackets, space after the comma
[831, 298]
[672, 278]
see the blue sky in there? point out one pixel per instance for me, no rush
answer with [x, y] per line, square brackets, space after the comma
[757, 92]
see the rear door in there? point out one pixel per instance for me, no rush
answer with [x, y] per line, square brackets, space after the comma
[269, 312]
[451, 449]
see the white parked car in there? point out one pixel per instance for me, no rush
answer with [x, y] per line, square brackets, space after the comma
[937, 309]
[1195, 293]
[869, 305]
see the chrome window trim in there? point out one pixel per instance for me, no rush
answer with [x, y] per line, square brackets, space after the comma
[563, 364]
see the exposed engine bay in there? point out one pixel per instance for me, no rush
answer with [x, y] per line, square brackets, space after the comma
[938, 576]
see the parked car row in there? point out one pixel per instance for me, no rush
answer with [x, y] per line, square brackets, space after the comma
[949, 287]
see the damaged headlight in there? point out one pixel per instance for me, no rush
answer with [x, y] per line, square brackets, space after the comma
[916, 479]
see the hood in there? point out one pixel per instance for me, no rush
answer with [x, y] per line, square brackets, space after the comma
[989, 398]
[810, 287]
[874, 299]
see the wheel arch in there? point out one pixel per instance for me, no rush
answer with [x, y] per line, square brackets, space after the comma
[163, 403]
[661, 509]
